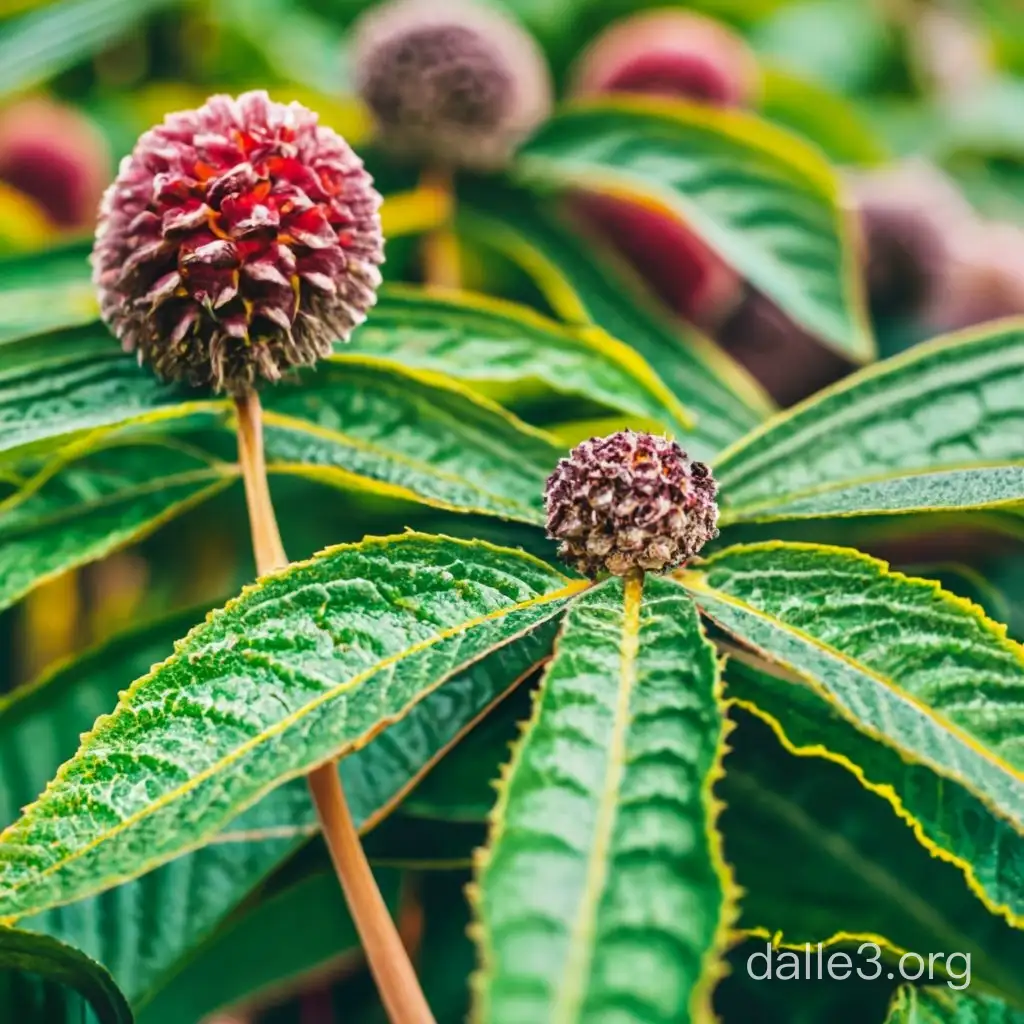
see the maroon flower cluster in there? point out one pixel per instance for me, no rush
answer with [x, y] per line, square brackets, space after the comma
[456, 84]
[630, 501]
[238, 240]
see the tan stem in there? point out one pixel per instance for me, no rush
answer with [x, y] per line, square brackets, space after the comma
[440, 248]
[399, 989]
[389, 962]
[266, 538]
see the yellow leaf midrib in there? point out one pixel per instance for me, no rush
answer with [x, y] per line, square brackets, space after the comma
[571, 994]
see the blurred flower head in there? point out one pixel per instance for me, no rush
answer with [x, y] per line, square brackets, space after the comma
[670, 53]
[630, 501]
[238, 240]
[909, 214]
[788, 361]
[57, 157]
[986, 279]
[453, 84]
[690, 278]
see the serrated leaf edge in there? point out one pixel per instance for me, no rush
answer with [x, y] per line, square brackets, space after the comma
[888, 793]
[714, 968]
[694, 580]
[570, 588]
[761, 512]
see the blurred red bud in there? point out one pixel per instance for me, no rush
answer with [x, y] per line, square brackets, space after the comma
[909, 214]
[789, 362]
[669, 53]
[56, 156]
[691, 279]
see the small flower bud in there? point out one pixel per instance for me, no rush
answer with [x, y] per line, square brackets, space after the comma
[54, 155]
[670, 53]
[630, 501]
[453, 84]
[238, 240]
[909, 214]
[689, 277]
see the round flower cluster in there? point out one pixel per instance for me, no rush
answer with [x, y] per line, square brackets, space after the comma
[238, 240]
[454, 83]
[630, 501]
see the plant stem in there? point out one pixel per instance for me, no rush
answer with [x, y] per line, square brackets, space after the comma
[389, 962]
[440, 247]
[266, 538]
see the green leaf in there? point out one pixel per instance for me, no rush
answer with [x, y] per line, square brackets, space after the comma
[67, 382]
[307, 665]
[55, 961]
[179, 906]
[821, 859]
[760, 197]
[602, 886]
[241, 960]
[908, 664]
[411, 434]
[873, 880]
[365, 423]
[297, 44]
[57, 384]
[87, 502]
[839, 43]
[584, 283]
[935, 1005]
[45, 291]
[43, 43]
[951, 822]
[936, 429]
[826, 118]
[474, 338]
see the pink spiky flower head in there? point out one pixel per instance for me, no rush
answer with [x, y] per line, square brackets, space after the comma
[238, 240]
[450, 82]
[56, 156]
[630, 502]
